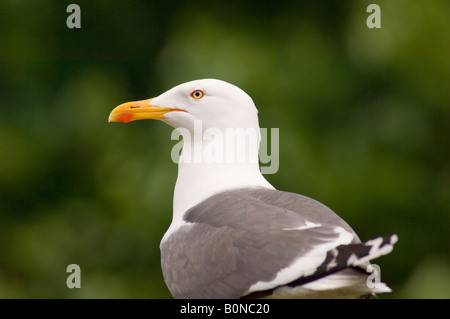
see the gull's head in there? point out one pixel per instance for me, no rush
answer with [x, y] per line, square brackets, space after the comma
[217, 104]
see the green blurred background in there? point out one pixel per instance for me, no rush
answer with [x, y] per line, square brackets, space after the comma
[363, 116]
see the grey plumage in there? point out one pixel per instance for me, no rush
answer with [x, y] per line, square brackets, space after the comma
[237, 238]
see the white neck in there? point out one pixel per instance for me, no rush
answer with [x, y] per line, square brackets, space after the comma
[198, 180]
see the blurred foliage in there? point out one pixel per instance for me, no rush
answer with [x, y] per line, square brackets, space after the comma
[363, 117]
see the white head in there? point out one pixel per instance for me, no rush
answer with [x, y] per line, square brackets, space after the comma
[216, 103]
[214, 114]
[220, 107]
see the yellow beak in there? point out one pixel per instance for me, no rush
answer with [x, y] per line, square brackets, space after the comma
[138, 110]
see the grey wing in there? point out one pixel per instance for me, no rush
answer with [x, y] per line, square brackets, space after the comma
[237, 242]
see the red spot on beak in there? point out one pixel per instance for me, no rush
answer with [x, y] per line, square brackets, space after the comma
[125, 117]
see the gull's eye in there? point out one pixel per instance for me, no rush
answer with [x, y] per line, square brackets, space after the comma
[197, 94]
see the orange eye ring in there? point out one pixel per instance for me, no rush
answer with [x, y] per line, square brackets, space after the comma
[197, 94]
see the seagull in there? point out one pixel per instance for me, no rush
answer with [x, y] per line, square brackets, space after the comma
[233, 235]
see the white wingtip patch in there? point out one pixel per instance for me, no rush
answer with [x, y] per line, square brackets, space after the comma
[307, 225]
[375, 250]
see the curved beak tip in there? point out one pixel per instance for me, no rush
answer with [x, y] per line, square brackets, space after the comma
[120, 117]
